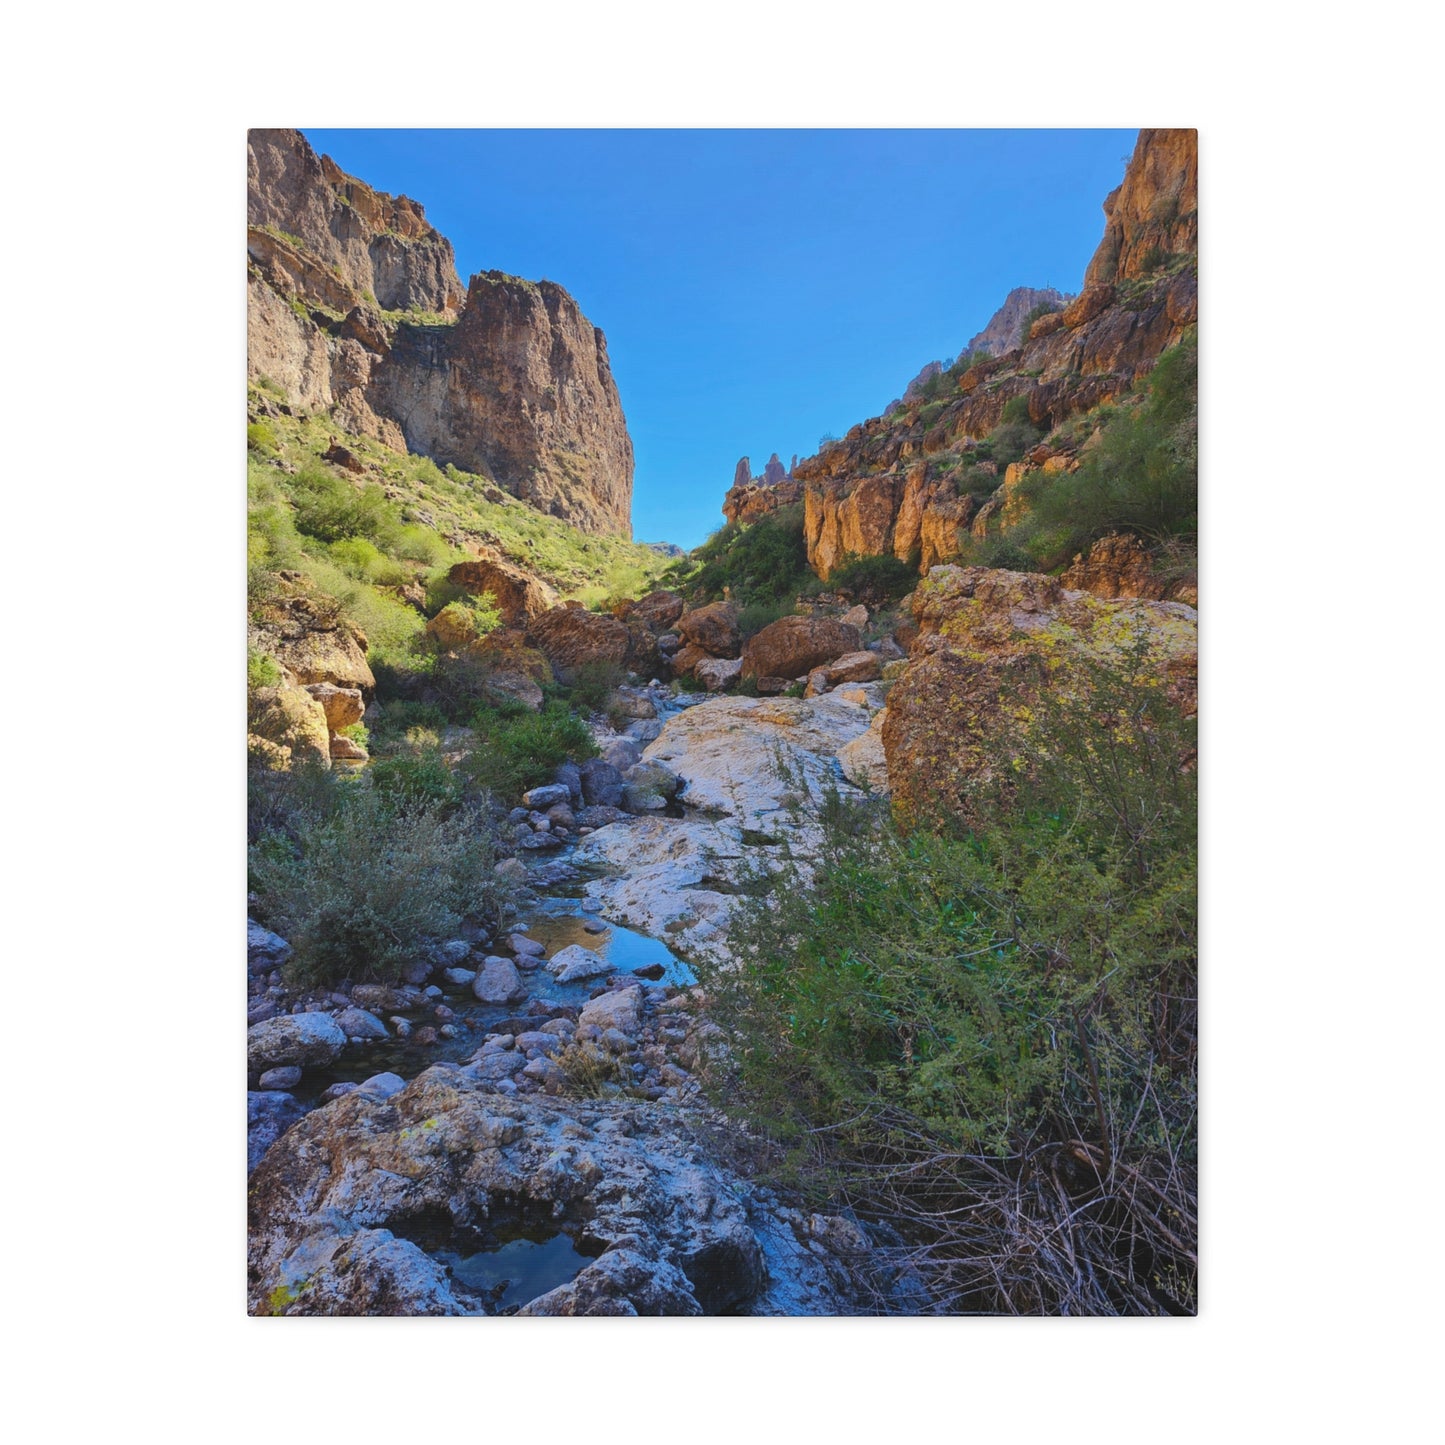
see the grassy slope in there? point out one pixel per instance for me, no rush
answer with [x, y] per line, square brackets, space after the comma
[428, 516]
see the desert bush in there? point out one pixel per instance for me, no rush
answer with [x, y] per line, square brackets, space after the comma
[261, 437]
[516, 749]
[330, 508]
[755, 616]
[767, 561]
[985, 1036]
[593, 683]
[1141, 476]
[417, 776]
[875, 581]
[360, 881]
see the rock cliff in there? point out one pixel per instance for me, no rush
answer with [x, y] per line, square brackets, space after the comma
[1005, 327]
[889, 487]
[355, 307]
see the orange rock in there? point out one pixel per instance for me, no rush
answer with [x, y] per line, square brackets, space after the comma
[520, 596]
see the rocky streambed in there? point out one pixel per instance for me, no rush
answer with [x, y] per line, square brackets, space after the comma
[520, 1131]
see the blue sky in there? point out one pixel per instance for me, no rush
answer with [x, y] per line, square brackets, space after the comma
[757, 288]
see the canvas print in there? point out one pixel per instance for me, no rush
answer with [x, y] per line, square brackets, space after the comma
[688, 885]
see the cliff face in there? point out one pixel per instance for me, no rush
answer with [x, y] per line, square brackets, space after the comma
[888, 487]
[364, 239]
[507, 379]
[521, 389]
[1154, 213]
[1005, 327]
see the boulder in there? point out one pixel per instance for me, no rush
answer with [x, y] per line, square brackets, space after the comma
[343, 706]
[345, 750]
[514, 687]
[713, 628]
[498, 982]
[292, 719]
[686, 659]
[658, 610]
[546, 795]
[601, 784]
[268, 1116]
[571, 637]
[307, 1039]
[792, 646]
[717, 673]
[621, 1010]
[264, 950]
[854, 667]
[356, 1023]
[520, 596]
[520, 943]
[575, 962]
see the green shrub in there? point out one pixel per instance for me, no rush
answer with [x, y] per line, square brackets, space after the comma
[1016, 409]
[875, 581]
[260, 437]
[261, 670]
[593, 683]
[767, 561]
[1141, 476]
[330, 508]
[365, 882]
[924, 1023]
[417, 776]
[755, 616]
[517, 750]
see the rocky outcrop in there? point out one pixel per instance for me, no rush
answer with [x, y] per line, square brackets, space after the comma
[359, 1208]
[520, 595]
[1005, 327]
[1154, 214]
[292, 722]
[359, 239]
[774, 472]
[754, 772]
[890, 487]
[986, 638]
[307, 634]
[1121, 566]
[355, 307]
[521, 390]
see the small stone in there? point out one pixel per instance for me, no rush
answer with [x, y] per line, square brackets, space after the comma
[382, 1086]
[651, 971]
[356, 1023]
[460, 977]
[286, 1077]
[520, 943]
[402, 1027]
[337, 1091]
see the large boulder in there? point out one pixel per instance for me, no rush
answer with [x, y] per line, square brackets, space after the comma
[601, 784]
[293, 721]
[620, 1010]
[520, 596]
[713, 628]
[308, 634]
[658, 610]
[343, 706]
[571, 637]
[792, 646]
[309, 1040]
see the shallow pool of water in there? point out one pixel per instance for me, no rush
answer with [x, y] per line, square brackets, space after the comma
[556, 923]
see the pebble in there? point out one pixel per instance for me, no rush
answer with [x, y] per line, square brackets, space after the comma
[402, 1026]
[432, 991]
[286, 1077]
[337, 1091]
